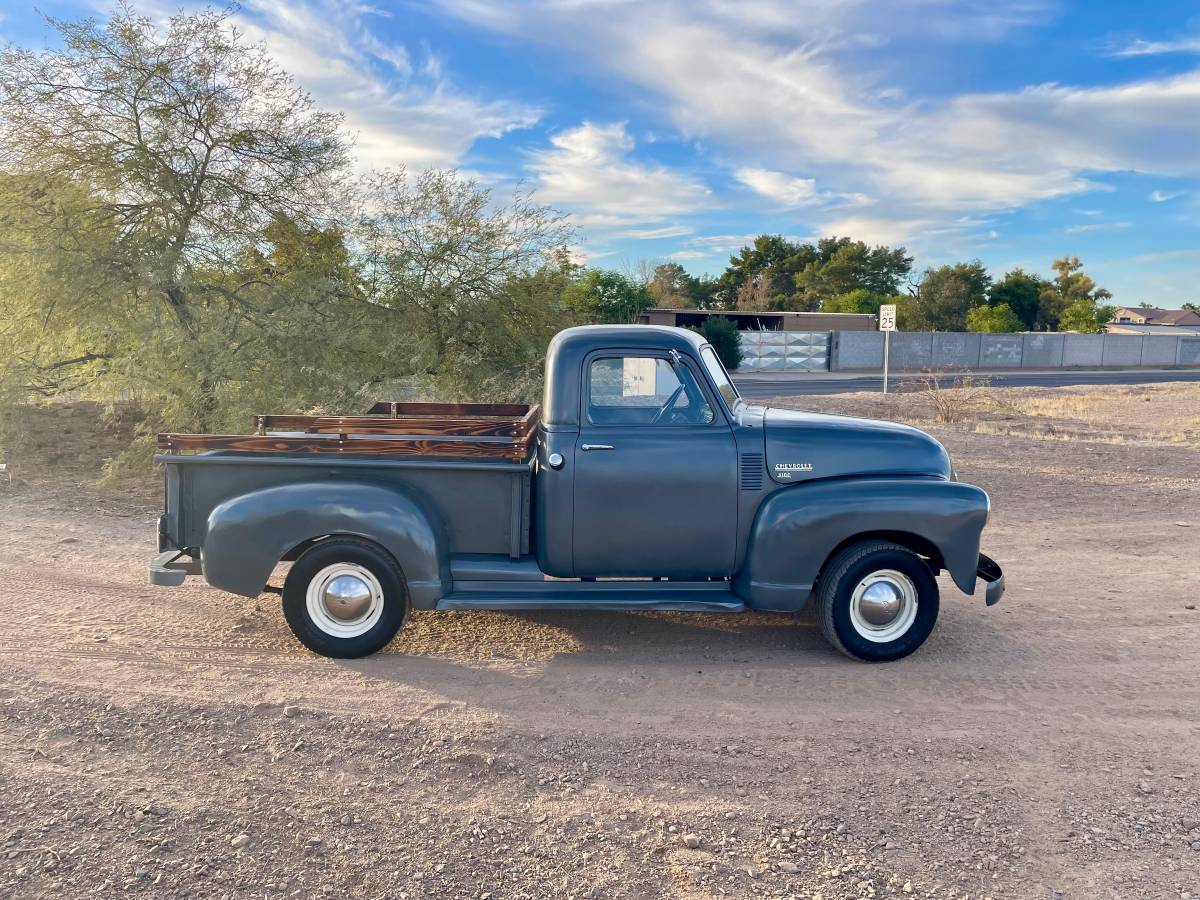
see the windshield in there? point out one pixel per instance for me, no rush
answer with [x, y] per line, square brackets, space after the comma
[719, 376]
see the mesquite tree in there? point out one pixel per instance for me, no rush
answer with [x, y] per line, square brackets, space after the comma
[141, 163]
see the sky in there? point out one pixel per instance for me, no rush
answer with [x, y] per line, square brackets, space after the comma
[1010, 132]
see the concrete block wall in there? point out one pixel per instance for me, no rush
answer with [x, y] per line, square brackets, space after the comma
[917, 351]
[1122, 350]
[1160, 350]
[856, 350]
[911, 350]
[957, 350]
[1000, 351]
[1042, 351]
[1083, 350]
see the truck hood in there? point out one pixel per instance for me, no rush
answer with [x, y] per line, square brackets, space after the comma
[803, 446]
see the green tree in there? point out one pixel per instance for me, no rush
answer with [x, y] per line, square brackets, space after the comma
[762, 274]
[177, 221]
[671, 286]
[1086, 315]
[706, 292]
[1069, 287]
[1021, 292]
[723, 334]
[504, 344]
[860, 300]
[947, 294]
[994, 318]
[778, 274]
[843, 265]
[599, 295]
[455, 272]
[190, 143]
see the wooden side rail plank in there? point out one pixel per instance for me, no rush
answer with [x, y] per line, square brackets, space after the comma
[378, 425]
[466, 425]
[388, 408]
[183, 443]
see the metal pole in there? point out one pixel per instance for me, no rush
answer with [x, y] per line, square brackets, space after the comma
[887, 340]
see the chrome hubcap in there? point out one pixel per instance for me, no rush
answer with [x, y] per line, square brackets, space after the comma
[347, 597]
[344, 600]
[883, 606]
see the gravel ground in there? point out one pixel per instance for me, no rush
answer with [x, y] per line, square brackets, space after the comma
[169, 743]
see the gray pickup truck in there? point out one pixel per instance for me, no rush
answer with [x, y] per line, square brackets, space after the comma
[645, 482]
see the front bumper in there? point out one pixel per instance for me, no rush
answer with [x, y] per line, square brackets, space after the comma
[171, 567]
[989, 570]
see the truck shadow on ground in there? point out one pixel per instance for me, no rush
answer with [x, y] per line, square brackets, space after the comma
[616, 665]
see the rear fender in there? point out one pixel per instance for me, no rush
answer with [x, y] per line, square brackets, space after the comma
[249, 534]
[797, 529]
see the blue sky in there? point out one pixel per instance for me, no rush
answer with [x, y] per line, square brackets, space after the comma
[677, 129]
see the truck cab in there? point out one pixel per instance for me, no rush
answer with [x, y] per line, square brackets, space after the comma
[637, 471]
[644, 482]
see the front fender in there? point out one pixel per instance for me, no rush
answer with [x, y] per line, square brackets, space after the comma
[249, 534]
[797, 529]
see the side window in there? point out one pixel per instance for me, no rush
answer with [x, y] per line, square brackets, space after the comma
[644, 390]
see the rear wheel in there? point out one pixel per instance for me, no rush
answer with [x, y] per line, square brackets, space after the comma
[345, 598]
[877, 601]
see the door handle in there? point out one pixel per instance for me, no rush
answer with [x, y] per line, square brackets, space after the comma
[596, 447]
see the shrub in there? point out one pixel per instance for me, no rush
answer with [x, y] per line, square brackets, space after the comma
[956, 400]
[722, 333]
[998, 318]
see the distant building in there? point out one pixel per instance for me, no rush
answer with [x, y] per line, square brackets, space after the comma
[1167, 330]
[760, 320]
[1140, 315]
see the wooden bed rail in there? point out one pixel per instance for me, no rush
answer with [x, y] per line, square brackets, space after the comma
[406, 429]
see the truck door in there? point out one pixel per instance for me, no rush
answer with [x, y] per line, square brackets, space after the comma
[655, 471]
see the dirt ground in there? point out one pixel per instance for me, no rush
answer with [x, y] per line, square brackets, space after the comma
[178, 742]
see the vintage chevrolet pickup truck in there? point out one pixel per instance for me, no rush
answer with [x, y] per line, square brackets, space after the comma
[646, 483]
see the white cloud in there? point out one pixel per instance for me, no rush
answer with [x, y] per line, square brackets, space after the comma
[1098, 226]
[582, 256]
[653, 234]
[775, 89]
[1158, 48]
[785, 190]
[588, 172]
[717, 243]
[879, 229]
[402, 112]
[1162, 197]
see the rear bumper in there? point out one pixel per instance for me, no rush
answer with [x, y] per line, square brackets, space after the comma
[989, 570]
[171, 567]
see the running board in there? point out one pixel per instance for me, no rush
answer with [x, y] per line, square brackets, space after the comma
[583, 595]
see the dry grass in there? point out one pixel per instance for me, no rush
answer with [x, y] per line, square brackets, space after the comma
[963, 397]
[1138, 414]
[1168, 412]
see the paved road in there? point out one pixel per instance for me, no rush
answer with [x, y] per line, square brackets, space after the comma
[761, 388]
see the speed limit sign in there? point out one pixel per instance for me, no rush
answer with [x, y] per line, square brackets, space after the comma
[887, 324]
[887, 317]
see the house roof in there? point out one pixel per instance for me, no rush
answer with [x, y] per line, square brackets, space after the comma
[1169, 330]
[1155, 316]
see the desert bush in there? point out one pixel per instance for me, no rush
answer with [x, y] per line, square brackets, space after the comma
[955, 401]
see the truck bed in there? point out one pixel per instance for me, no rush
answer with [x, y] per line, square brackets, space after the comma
[474, 430]
[467, 464]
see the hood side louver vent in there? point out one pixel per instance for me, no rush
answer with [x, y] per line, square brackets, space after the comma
[752, 471]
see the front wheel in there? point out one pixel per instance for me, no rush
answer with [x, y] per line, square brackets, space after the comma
[877, 601]
[345, 598]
